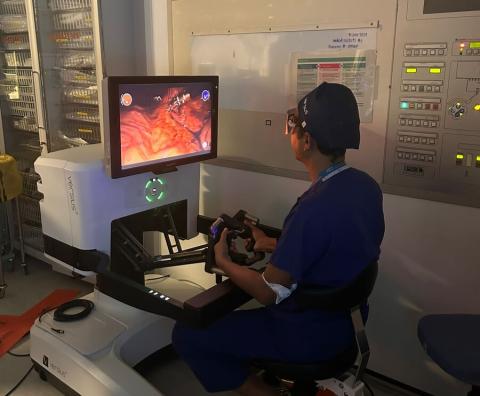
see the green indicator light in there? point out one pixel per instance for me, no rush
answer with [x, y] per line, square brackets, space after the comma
[404, 105]
[161, 195]
[411, 70]
[460, 157]
[475, 44]
[161, 182]
[149, 199]
[435, 70]
[149, 184]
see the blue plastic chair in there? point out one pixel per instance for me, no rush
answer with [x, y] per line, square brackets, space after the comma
[453, 342]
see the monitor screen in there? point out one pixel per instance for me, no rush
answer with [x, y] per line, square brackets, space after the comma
[157, 123]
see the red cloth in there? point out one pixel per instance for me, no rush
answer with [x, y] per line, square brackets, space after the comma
[13, 328]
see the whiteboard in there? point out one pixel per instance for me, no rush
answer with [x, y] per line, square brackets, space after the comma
[255, 69]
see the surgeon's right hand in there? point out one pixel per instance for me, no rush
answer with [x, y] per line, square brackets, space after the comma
[263, 243]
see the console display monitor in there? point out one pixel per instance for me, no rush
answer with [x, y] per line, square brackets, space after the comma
[157, 123]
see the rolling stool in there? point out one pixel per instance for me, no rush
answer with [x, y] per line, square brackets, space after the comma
[10, 189]
[453, 342]
[332, 374]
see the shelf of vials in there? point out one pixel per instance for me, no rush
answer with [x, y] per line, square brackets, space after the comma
[12, 7]
[76, 60]
[25, 124]
[73, 39]
[78, 77]
[90, 132]
[18, 59]
[82, 113]
[81, 95]
[13, 23]
[65, 5]
[76, 20]
[16, 76]
[14, 42]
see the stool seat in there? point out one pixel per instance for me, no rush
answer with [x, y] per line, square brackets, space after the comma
[453, 342]
[311, 371]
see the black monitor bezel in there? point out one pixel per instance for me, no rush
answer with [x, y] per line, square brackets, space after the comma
[116, 170]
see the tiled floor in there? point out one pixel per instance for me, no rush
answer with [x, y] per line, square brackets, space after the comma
[168, 373]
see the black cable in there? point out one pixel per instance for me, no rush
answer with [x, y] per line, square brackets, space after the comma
[19, 382]
[60, 314]
[18, 355]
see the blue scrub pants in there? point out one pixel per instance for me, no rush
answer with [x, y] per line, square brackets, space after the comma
[220, 355]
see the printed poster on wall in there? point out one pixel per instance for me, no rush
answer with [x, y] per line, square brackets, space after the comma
[353, 68]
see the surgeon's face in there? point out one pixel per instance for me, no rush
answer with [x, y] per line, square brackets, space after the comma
[296, 133]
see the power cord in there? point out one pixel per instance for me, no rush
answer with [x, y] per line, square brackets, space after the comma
[191, 282]
[18, 355]
[19, 382]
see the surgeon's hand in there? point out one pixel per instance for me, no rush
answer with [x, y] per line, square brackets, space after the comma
[221, 249]
[263, 243]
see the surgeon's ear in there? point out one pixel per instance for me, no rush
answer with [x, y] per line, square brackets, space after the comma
[307, 141]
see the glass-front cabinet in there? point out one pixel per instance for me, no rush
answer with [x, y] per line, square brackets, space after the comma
[54, 56]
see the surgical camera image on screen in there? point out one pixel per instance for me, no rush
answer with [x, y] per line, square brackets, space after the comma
[164, 122]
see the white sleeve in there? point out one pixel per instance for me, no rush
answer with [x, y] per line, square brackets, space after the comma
[280, 291]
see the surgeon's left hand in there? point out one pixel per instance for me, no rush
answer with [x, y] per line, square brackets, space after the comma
[221, 249]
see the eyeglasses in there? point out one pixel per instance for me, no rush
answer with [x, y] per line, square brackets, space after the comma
[292, 121]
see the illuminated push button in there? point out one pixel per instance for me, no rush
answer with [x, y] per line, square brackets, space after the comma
[477, 161]
[436, 89]
[433, 124]
[404, 105]
[409, 139]
[425, 123]
[459, 159]
[428, 88]
[476, 107]
[433, 52]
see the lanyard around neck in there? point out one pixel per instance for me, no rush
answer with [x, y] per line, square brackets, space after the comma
[331, 171]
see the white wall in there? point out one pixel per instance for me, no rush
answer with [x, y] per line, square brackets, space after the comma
[429, 261]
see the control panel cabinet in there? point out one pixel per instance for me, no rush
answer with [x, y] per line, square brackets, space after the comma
[433, 135]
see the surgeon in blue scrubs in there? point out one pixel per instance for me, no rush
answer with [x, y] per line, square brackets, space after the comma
[330, 235]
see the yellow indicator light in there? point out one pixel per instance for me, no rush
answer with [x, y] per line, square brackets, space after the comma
[461, 157]
[435, 70]
[476, 107]
[478, 158]
[475, 44]
[411, 69]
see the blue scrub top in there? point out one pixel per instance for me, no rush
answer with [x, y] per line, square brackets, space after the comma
[332, 233]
